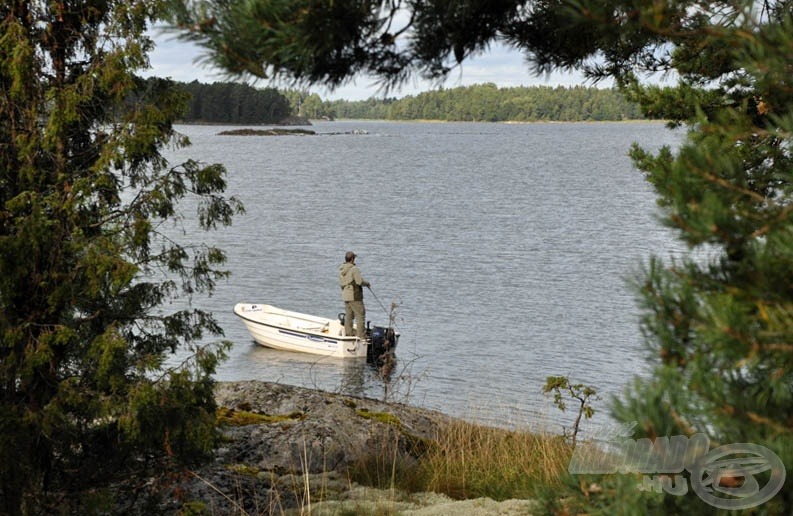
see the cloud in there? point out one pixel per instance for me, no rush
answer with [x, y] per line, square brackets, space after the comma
[179, 60]
[185, 62]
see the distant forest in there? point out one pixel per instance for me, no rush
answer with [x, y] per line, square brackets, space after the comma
[232, 103]
[489, 103]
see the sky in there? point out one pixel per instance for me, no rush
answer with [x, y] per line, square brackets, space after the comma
[181, 61]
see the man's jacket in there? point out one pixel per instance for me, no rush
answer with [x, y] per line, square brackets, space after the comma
[351, 282]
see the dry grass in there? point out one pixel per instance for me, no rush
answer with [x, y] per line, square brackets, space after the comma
[465, 460]
[468, 460]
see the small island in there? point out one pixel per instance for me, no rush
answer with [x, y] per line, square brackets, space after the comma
[266, 132]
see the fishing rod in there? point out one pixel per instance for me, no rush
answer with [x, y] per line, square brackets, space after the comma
[388, 314]
[378, 301]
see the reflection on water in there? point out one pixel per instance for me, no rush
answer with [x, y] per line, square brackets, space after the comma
[353, 377]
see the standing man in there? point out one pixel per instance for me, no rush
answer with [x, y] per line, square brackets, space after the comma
[352, 285]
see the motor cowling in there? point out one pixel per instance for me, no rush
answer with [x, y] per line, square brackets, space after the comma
[382, 341]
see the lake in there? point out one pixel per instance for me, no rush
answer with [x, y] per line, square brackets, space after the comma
[505, 248]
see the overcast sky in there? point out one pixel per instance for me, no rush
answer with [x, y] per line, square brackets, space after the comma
[505, 67]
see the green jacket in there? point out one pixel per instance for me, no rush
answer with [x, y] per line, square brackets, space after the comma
[351, 282]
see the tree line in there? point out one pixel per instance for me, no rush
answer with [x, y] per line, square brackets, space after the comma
[234, 103]
[489, 103]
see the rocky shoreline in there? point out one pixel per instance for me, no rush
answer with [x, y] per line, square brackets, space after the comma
[289, 450]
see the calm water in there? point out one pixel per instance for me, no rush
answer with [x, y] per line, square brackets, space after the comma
[505, 247]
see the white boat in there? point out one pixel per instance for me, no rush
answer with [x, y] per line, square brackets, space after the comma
[293, 331]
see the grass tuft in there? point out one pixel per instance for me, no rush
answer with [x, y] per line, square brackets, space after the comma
[467, 460]
[470, 461]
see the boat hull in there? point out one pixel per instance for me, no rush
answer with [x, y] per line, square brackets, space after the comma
[292, 331]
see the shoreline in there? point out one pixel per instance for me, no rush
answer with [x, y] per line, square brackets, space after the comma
[505, 122]
[432, 121]
[288, 450]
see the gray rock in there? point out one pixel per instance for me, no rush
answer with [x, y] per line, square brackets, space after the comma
[306, 446]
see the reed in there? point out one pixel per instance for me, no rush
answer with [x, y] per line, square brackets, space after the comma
[469, 460]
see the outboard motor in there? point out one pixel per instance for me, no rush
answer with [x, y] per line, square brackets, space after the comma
[382, 341]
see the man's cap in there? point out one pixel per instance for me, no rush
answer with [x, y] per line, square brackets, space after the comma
[349, 256]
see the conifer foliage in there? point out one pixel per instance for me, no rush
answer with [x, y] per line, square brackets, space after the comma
[89, 256]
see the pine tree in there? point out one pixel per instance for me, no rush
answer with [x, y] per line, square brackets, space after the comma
[87, 257]
[718, 321]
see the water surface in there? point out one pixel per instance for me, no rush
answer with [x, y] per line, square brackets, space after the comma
[505, 248]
